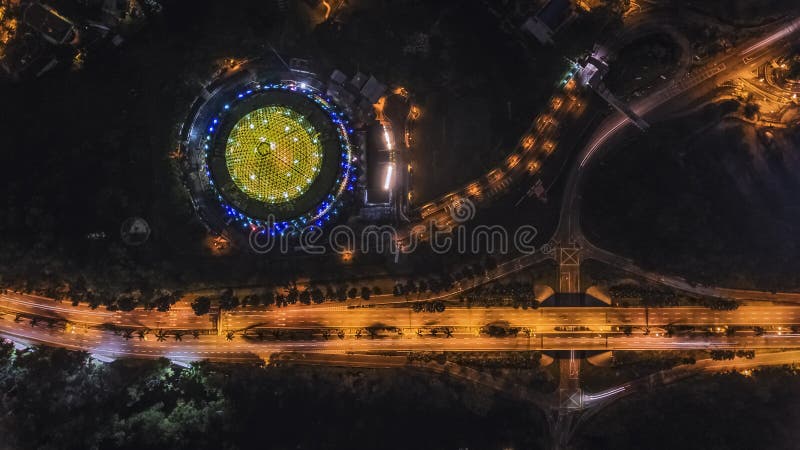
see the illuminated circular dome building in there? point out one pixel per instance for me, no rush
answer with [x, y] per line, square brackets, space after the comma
[272, 155]
[275, 147]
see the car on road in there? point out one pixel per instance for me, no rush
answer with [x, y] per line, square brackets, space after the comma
[572, 328]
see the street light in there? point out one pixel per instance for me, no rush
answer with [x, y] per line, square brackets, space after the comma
[387, 180]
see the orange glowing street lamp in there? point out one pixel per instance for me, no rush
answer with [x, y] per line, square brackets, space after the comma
[414, 112]
[347, 256]
[512, 161]
[527, 143]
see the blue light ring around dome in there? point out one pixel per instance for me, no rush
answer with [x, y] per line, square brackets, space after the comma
[326, 209]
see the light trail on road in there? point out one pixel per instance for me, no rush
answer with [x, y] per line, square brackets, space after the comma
[240, 349]
[780, 34]
[656, 99]
[596, 333]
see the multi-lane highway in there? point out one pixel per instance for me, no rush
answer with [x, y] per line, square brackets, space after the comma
[540, 320]
[110, 345]
[180, 316]
[245, 334]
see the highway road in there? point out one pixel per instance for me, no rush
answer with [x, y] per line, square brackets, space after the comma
[342, 317]
[106, 344]
[540, 320]
[465, 324]
[180, 316]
